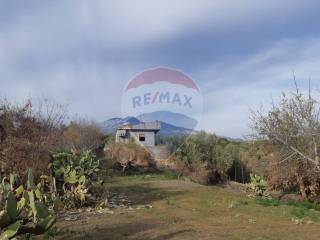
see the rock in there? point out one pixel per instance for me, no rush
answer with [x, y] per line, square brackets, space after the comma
[236, 186]
[291, 197]
[89, 209]
[103, 211]
[275, 194]
[143, 207]
[72, 218]
[118, 200]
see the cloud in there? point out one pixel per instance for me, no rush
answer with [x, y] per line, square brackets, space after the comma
[234, 87]
[87, 88]
[82, 53]
[64, 28]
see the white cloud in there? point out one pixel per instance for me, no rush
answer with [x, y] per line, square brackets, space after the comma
[88, 89]
[75, 51]
[232, 88]
[66, 26]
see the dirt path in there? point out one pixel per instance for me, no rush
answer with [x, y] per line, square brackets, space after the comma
[173, 209]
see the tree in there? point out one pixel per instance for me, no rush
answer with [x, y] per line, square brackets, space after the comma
[29, 134]
[293, 126]
[83, 135]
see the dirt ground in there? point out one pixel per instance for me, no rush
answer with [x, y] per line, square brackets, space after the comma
[159, 208]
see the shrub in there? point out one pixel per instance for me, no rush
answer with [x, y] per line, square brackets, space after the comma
[82, 135]
[78, 176]
[257, 184]
[208, 159]
[292, 127]
[23, 209]
[28, 135]
[129, 156]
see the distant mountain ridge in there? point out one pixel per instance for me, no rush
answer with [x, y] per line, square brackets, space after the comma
[110, 126]
[175, 119]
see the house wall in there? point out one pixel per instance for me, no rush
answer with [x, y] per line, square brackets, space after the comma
[149, 137]
[120, 137]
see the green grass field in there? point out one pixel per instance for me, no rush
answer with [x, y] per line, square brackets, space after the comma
[186, 210]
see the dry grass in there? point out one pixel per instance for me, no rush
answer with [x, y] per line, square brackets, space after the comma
[185, 210]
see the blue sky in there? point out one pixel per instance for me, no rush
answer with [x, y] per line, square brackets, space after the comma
[82, 53]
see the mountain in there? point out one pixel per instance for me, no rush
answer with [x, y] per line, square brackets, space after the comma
[111, 125]
[171, 130]
[175, 119]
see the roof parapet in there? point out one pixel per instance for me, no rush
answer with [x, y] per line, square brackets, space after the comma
[148, 126]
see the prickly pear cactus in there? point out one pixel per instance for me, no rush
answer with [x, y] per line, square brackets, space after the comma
[23, 211]
[258, 184]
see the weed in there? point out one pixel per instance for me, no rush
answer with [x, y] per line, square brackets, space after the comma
[299, 209]
[234, 204]
[168, 200]
[267, 202]
[244, 202]
[303, 204]
[297, 221]
[251, 221]
[299, 212]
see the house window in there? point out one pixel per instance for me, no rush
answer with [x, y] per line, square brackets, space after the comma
[142, 137]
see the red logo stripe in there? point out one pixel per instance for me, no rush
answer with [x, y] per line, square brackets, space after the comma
[162, 75]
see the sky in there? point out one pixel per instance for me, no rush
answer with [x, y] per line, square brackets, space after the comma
[82, 53]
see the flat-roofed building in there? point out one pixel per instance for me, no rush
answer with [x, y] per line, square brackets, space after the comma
[142, 133]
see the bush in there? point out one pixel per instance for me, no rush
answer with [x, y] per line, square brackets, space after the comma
[78, 177]
[82, 135]
[257, 184]
[208, 159]
[23, 208]
[28, 135]
[129, 156]
[292, 127]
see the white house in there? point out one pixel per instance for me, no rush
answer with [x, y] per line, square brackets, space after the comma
[143, 133]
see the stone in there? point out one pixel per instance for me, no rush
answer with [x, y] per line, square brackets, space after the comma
[275, 194]
[291, 197]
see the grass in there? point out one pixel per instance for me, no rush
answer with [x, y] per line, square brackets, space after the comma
[185, 210]
[167, 175]
[267, 202]
[300, 204]
[298, 209]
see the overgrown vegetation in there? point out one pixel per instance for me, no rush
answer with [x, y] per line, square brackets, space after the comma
[78, 177]
[28, 135]
[292, 127]
[257, 184]
[129, 156]
[283, 156]
[63, 160]
[209, 159]
[83, 135]
[24, 208]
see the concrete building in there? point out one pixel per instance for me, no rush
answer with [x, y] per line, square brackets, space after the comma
[143, 133]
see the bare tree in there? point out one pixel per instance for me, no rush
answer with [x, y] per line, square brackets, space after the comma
[29, 135]
[52, 115]
[83, 135]
[293, 126]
